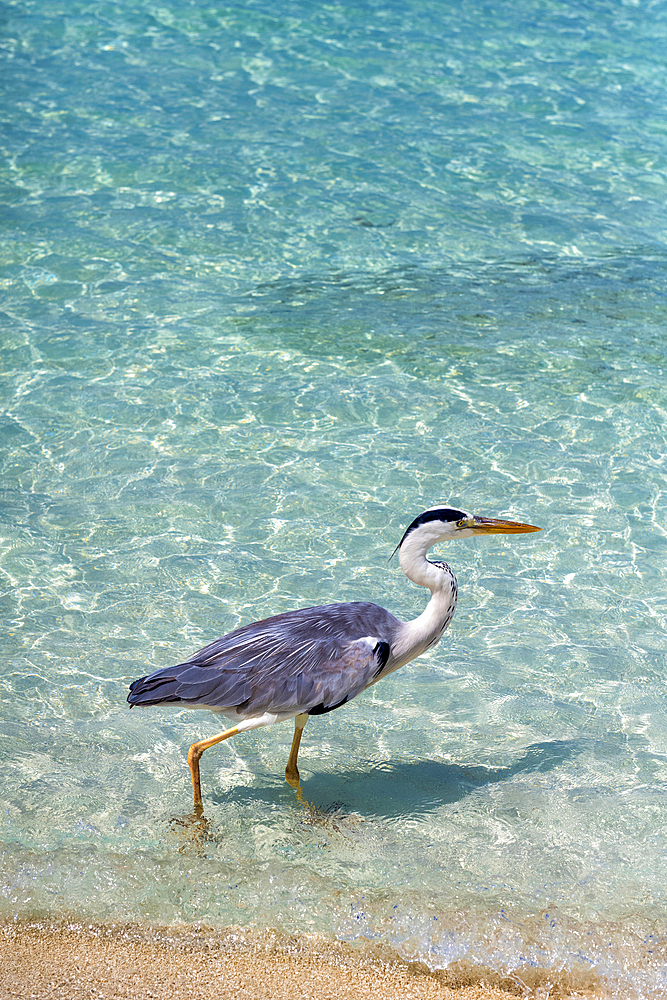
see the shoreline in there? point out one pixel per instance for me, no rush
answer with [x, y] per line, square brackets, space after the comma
[68, 960]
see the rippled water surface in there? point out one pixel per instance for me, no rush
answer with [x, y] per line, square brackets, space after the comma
[275, 277]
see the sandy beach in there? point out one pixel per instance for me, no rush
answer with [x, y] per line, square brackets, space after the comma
[53, 962]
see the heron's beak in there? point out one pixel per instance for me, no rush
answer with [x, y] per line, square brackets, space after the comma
[493, 526]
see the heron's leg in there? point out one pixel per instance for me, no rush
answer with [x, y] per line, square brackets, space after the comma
[292, 771]
[195, 752]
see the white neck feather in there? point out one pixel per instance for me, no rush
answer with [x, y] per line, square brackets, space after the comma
[415, 565]
[416, 636]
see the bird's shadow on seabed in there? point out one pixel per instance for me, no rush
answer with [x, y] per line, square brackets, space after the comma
[420, 786]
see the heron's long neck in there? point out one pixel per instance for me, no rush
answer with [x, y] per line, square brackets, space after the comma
[416, 636]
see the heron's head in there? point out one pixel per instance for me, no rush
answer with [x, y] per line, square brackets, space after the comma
[441, 523]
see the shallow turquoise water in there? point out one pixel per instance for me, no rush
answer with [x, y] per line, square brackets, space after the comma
[274, 279]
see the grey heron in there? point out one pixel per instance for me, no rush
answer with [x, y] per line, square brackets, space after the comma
[313, 660]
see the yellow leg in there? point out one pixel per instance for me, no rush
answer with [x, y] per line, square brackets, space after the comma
[195, 752]
[292, 771]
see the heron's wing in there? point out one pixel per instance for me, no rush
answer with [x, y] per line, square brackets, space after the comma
[311, 660]
[336, 673]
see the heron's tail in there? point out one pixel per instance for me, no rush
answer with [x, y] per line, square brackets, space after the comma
[154, 689]
[191, 684]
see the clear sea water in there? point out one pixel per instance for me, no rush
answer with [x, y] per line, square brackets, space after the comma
[275, 277]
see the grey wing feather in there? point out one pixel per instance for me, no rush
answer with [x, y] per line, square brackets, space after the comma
[358, 665]
[311, 659]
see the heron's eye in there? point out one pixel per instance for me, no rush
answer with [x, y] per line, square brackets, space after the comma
[462, 523]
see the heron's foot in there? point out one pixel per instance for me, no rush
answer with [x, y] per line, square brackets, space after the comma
[192, 830]
[292, 779]
[292, 776]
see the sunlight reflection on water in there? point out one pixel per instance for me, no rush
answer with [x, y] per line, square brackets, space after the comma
[263, 303]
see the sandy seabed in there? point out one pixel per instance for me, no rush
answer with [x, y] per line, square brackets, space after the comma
[58, 962]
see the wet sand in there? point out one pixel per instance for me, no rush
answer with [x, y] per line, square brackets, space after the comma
[49, 962]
